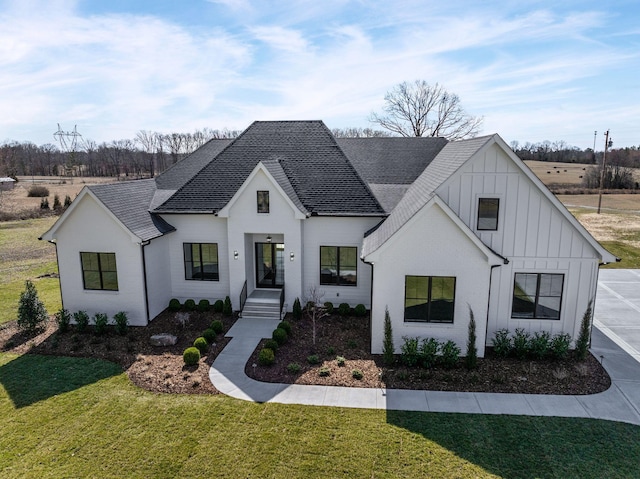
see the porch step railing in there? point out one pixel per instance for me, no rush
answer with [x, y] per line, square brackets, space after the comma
[243, 295]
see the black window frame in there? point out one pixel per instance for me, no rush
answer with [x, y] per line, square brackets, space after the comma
[516, 301]
[428, 318]
[101, 261]
[338, 281]
[187, 249]
[262, 201]
[497, 213]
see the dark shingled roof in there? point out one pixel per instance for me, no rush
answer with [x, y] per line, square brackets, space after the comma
[129, 202]
[320, 174]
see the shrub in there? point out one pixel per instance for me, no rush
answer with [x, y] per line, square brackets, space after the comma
[191, 356]
[100, 322]
[357, 374]
[204, 305]
[559, 346]
[388, 349]
[280, 335]
[82, 320]
[63, 318]
[271, 344]
[471, 359]
[210, 335]
[328, 306]
[340, 360]
[294, 368]
[360, 310]
[121, 321]
[521, 343]
[44, 204]
[174, 305]
[324, 371]
[584, 337]
[502, 344]
[202, 344]
[266, 357]
[429, 352]
[331, 351]
[56, 203]
[217, 326]
[313, 359]
[67, 202]
[227, 308]
[539, 344]
[344, 309]
[450, 354]
[38, 191]
[409, 351]
[190, 305]
[218, 306]
[297, 309]
[286, 325]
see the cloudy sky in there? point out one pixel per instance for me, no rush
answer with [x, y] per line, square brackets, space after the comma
[534, 70]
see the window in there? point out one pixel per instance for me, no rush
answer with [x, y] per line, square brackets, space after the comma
[99, 271]
[338, 265]
[201, 261]
[488, 214]
[263, 201]
[537, 295]
[429, 299]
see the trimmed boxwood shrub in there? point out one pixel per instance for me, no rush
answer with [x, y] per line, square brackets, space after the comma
[217, 326]
[293, 368]
[204, 305]
[202, 344]
[344, 309]
[122, 322]
[210, 335]
[100, 321]
[191, 356]
[218, 306]
[360, 310]
[313, 359]
[271, 344]
[286, 325]
[190, 305]
[82, 320]
[174, 305]
[328, 306]
[280, 335]
[266, 357]
[227, 309]
[357, 374]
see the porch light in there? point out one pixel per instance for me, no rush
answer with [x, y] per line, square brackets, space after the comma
[269, 239]
[235, 254]
[292, 256]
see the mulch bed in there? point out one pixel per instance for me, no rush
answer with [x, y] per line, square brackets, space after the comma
[348, 337]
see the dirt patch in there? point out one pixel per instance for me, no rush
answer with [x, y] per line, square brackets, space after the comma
[613, 227]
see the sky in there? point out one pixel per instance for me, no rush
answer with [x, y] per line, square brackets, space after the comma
[535, 71]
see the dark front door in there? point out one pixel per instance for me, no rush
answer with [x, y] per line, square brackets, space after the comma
[269, 265]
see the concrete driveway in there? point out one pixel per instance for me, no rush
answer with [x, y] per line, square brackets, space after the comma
[617, 311]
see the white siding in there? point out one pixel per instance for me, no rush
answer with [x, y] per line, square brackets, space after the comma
[157, 254]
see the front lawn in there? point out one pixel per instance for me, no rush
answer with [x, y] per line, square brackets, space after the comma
[74, 417]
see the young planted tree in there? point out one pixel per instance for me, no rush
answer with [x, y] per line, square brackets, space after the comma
[315, 308]
[31, 312]
[584, 338]
[471, 360]
[388, 350]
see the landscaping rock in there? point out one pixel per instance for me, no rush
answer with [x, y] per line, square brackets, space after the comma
[163, 339]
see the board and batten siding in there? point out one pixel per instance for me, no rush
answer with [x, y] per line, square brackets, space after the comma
[156, 257]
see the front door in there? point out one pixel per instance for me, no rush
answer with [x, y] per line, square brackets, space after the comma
[269, 265]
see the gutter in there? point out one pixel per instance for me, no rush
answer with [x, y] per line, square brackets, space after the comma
[144, 275]
[486, 327]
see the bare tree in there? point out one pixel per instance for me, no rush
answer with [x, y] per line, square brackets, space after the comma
[356, 132]
[315, 308]
[420, 109]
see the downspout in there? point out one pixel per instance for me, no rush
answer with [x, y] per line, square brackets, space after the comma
[486, 332]
[144, 275]
[59, 276]
[370, 300]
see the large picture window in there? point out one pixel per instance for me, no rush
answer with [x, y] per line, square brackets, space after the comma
[537, 295]
[201, 261]
[338, 265]
[99, 271]
[429, 299]
[488, 214]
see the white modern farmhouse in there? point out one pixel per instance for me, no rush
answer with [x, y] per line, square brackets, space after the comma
[425, 228]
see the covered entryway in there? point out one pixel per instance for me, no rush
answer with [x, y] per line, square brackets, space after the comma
[269, 265]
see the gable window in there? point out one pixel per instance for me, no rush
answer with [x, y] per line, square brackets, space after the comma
[537, 296]
[488, 214]
[429, 299]
[338, 265]
[201, 261]
[99, 271]
[263, 201]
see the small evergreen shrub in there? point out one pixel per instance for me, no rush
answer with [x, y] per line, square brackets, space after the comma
[324, 371]
[44, 204]
[340, 360]
[328, 306]
[56, 203]
[360, 310]
[357, 374]
[584, 337]
[286, 325]
[174, 305]
[450, 353]
[271, 344]
[428, 354]
[63, 318]
[560, 345]
[32, 315]
[202, 344]
[67, 202]
[471, 359]
[218, 306]
[227, 308]
[217, 326]
[293, 368]
[502, 344]
[210, 335]
[190, 305]
[388, 349]
[100, 322]
[344, 309]
[409, 351]
[521, 343]
[539, 344]
[331, 351]
[82, 320]
[266, 357]
[191, 356]
[37, 191]
[204, 305]
[297, 309]
[121, 322]
[313, 359]
[280, 335]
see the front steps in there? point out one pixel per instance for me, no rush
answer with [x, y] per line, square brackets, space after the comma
[262, 304]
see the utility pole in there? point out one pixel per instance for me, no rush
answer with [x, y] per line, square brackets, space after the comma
[604, 160]
[595, 133]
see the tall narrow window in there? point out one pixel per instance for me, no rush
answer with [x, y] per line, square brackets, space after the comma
[263, 201]
[537, 296]
[99, 271]
[201, 261]
[339, 265]
[429, 299]
[488, 214]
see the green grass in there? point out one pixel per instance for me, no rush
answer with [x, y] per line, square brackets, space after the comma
[87, 420]
[630, 256]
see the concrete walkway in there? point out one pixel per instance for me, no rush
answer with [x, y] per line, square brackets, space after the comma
[621, 402]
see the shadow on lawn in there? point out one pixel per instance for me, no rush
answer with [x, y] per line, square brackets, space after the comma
[30, 378]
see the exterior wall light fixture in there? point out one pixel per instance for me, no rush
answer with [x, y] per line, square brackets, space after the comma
[235, 254]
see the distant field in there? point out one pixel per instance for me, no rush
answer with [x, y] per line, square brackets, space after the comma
[562, 173]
